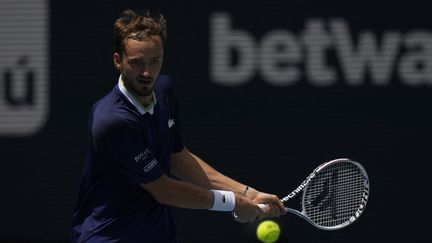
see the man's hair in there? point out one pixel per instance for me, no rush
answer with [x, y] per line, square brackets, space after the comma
[138, 26]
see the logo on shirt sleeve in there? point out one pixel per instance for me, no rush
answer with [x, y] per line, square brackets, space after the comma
[150, 165]
[142, 156]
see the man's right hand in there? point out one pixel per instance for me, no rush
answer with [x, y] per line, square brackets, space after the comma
[247, 210]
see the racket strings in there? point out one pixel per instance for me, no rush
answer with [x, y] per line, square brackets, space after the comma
[334, 194]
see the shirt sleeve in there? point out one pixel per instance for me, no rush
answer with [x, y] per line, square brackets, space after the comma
[121, 142]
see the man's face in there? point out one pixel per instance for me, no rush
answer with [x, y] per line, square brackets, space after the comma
[140, 64]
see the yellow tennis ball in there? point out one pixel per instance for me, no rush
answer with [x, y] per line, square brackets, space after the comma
[268, 231]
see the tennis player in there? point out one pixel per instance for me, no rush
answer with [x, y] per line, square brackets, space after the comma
[126, 192]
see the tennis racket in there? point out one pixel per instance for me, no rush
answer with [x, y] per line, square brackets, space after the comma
[334, 194]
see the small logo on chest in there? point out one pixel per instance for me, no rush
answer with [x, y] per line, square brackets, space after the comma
[171, 123]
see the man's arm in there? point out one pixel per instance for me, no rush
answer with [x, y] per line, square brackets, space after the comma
[182, 194]
[194, 170]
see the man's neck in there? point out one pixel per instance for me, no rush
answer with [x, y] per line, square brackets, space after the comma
[144, 100]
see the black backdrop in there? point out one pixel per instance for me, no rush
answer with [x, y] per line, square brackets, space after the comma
[266, 135]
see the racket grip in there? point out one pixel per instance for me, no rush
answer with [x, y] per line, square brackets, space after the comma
[263, 207]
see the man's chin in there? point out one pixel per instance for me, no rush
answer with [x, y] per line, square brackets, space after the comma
[144, 92]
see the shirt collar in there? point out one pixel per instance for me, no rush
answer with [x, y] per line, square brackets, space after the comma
[135, 101]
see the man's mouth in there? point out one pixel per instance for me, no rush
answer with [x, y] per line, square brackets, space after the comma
[145, 81]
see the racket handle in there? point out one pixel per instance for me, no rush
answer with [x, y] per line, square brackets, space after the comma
[263, 207]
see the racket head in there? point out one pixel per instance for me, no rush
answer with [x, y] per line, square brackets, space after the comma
[336, 195]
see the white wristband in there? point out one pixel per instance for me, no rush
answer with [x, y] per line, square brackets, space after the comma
[223, 201]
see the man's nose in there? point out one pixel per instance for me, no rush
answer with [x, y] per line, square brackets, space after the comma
[145, 72]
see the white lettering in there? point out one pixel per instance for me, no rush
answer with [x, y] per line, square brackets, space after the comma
[142, 156]
[299, 188]
[415, 68]
[325, 53]
[280, 55]
[317, 42]
[367, 57]
[150, 165]
[224, 41]
[24, 67]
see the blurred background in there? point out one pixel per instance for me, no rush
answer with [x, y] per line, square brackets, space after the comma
[268, 90]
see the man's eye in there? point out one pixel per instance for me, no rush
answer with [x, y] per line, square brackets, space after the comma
[136, 62]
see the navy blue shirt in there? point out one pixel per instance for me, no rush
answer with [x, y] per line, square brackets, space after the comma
[128, 146]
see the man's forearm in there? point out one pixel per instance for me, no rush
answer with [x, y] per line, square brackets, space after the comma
[179, 194]
[193, 169]
[219, 180]
[185, 195]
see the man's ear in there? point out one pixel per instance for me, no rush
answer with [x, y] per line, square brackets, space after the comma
[117, 61]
